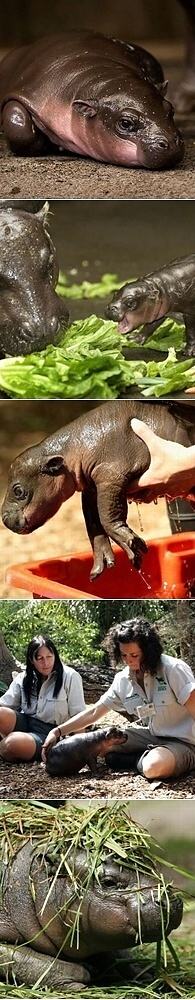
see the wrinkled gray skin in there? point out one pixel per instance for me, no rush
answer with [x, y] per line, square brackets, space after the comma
[31, 314]
[167, 292]
[97, 96]
[100, 456]
[109, 918]
[71, 754]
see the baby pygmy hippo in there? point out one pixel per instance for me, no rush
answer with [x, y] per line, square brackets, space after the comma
[32, 315]
[168, 291]
[72, 753]
[100, 456]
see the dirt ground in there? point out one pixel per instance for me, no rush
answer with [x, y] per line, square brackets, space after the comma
[32, 781]
[69, 176]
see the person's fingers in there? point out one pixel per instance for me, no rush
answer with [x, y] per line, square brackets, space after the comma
[143, 431]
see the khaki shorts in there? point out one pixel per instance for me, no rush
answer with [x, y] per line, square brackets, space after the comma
[140, 739]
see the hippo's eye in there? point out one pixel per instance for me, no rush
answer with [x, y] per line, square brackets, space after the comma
[128, 125]
[109, 882]
[19, 491]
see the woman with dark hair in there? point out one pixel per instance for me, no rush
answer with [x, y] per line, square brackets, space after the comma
[155, 689]
[40, 697]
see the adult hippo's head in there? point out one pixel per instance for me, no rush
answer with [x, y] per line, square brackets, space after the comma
[31, 314]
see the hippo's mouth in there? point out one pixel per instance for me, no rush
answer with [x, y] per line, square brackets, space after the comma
[127, 324]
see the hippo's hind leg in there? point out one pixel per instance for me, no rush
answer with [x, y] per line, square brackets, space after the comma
[103, 554]
[112, 507]
[25, 966]
[22, 135]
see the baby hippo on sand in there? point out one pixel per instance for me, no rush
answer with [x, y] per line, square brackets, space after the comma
[72, 753]
[166, 292]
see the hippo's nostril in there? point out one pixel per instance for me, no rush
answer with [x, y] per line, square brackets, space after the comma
[54, 324]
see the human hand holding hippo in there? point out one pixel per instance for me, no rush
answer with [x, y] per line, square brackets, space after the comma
[32, 315]
[169, 291]
[92, 95]
[100, 456]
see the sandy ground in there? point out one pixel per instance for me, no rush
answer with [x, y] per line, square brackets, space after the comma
[32, 781]
[69, 176]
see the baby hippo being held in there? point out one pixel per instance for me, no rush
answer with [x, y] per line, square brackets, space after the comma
[166, 292]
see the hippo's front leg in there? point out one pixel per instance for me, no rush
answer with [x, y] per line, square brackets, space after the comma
[27, 966]
[190, 335]
[146, 331]
[103, 554]
[112, 507]
[23, 136]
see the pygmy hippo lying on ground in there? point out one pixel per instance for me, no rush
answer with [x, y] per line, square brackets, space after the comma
[100, 456]
[168, 291]
[72, 753]
[31, 314]
[113, 914]
[90, 94]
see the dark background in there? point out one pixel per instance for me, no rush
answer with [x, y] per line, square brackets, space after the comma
[26, 20]
[127, 238]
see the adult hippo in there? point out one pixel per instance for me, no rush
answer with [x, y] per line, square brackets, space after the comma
[89, 94]
[32, 315]
[114, 914]
[100, 456]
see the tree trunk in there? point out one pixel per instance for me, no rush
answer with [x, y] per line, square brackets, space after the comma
[186, 631]
[8, 662]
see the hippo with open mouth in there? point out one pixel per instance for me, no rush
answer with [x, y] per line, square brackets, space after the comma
[92, 95]
[32, 315]
[169, 291]
[37, 919]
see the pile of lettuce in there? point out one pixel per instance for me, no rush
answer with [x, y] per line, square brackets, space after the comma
[89, 361]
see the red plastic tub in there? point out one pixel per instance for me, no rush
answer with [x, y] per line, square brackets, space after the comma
[168, 571]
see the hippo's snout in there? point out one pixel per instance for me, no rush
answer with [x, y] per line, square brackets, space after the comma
[161, 150]
[16, 521]
[155, 914]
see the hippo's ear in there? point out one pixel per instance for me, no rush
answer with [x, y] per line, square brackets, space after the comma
[162, 87]
[86, 108]
[43, 212]
[53, 466]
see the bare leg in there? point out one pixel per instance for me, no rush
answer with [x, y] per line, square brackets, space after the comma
[158, 763]
[18, 746]
[7, 720]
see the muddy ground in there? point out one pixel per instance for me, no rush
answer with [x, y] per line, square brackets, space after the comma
[31, 781]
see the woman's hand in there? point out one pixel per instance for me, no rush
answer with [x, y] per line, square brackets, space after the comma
[50, 741]
[172, 465]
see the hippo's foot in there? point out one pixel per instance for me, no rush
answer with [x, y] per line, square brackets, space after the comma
[138, 550]
[103, 556]
[22, 135]
[28, 966]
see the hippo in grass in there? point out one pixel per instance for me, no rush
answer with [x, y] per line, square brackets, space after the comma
[89, 94]
[72, 753]
[32, 315]
[100, 456]
[113, 914]
[169, 291]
